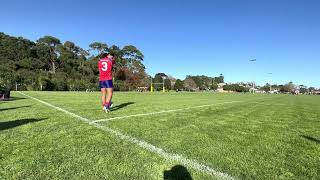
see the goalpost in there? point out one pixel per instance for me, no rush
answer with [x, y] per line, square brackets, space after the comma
[152, 84]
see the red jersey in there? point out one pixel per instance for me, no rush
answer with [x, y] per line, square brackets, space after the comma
[105, 68]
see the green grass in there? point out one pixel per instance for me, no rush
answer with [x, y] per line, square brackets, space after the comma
[255, 137]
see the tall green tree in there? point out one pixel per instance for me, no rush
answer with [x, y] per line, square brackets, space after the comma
[219, 79]
[214, 86]
[178, 85]
[99, 47]
[6, 81]
[52, 43]
[167, 84]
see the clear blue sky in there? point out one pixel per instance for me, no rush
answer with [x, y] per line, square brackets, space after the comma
[181, 37]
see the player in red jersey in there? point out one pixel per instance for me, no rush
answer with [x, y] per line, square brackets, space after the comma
[105, 80]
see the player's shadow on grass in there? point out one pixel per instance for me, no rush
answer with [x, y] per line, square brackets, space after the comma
[12, 108]
[19, 122]
[311, 139]
[177, 172]
[12, 99]
[16, 98]
[120, 106]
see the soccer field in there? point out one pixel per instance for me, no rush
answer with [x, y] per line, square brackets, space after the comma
[66, 135]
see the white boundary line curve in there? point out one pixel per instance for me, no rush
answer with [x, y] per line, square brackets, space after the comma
[144, 145]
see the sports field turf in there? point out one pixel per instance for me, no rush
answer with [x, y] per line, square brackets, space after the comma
[214, 136]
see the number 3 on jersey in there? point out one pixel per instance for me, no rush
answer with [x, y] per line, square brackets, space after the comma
[104, 66]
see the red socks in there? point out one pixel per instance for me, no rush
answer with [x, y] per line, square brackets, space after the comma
[106, 104]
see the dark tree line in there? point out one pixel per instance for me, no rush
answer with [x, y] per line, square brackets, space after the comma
[235, 88]
[49, 64]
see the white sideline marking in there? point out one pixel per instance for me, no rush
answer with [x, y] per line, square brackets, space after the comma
[160, 112]
[145, 145]
[270, 104]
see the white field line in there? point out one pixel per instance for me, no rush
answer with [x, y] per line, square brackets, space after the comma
[161, 112]
[145, 145]
[169, 111]
[270, 104]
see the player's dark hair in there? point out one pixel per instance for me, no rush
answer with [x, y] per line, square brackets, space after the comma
[103, 55]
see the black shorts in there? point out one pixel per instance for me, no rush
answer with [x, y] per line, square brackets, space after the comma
[106, 84]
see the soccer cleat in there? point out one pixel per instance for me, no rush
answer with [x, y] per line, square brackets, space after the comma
[111, 105]
[106, 109]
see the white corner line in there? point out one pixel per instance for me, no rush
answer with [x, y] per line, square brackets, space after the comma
[144, 145]
[164, 111]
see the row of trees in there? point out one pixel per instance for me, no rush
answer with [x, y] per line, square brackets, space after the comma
[190, 83]
[202, 82]
[49, 64]
[235, 88]
[288, 88]
[205, 83]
